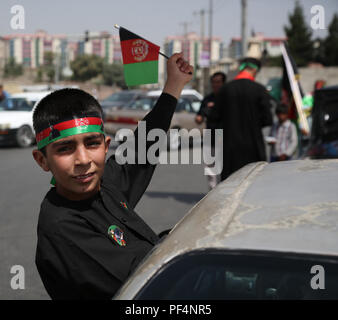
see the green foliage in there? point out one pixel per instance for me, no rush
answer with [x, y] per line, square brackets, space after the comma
[86, 67]
[331, 43]
[47, 69]
[113, 75]
[12, 69]
[299, 37]
[274, 61]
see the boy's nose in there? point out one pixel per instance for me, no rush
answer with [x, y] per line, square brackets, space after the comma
[82, 157]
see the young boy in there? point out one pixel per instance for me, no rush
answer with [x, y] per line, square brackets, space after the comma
[283, 136]
[89, 237]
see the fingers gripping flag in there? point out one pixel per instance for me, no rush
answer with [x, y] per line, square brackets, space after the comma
[140, 59]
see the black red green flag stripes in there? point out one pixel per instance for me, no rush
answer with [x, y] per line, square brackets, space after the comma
[140, 59]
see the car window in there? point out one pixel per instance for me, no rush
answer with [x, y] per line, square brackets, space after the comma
[325, 115]
[15, 104]
[222, 275]
[144, 104]
[121, 97]
[183, 105]
[195, 102]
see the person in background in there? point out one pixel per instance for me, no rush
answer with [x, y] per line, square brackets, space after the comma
[283, 136]
[243, 108]
[5, 97]
[217, 80]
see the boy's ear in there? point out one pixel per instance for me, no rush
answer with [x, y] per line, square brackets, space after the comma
[40, 159]
[107, 143]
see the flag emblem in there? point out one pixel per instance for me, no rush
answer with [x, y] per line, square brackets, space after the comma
[139, 49]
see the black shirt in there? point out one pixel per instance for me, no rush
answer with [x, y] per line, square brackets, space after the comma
[76, 256]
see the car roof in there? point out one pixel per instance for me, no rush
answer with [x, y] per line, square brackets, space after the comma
[281, 206]
[184, 92]
[31, 96]
[285, 207]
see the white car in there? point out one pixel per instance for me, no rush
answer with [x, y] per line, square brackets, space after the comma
[16, 121]
[268, 232]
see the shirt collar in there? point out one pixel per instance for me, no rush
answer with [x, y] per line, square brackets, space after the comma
[245, 75]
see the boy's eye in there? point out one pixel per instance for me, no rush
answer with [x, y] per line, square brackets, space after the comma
[64, 149]
[94, 143]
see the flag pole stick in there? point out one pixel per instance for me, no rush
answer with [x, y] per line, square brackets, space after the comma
[162, 54]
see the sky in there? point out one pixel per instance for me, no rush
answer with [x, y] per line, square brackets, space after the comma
[156, 19]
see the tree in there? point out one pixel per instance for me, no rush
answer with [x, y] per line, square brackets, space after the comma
[113, 75]
[48, 68]
[299, 37]
[331, 43]
[12, 69]
[86, 67]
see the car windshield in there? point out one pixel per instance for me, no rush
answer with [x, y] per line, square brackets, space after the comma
[144, 104]
[120, 97]
[217, 274]
[15, 104]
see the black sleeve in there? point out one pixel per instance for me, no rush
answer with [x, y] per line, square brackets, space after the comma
[202, 109]
[215, 114]
[265, 105]
[94, 265]
[133, 179]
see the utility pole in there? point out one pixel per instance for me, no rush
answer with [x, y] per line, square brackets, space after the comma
[207, 73]
[210, 31]
[244, 28]
[185, 42]
[202, 69]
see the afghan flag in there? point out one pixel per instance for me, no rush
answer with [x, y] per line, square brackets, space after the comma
[140, 59]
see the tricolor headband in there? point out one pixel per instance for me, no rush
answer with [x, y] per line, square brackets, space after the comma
[68, 128]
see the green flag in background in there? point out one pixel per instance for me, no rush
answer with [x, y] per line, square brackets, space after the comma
[140, 59]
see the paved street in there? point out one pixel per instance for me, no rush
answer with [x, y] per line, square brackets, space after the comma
[172, 192]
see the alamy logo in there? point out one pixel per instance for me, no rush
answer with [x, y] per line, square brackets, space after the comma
[152, 146]
[318, 20]
[18, 19]
[18, 280]
[318, 281]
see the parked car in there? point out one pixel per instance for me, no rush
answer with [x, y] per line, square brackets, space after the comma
[269, 231]
[119, 100]
[16, 123]
[32, 97]
[128, 117]
[324, 133]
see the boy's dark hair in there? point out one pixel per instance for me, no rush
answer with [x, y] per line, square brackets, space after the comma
[222, 74]
[64, 104]
[282, 109]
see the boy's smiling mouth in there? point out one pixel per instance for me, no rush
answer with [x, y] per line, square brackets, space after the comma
[84, 177]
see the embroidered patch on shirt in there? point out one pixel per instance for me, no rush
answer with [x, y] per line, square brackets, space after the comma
[117, 234]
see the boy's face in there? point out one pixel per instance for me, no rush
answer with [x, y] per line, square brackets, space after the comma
[77, 163]
[282, 117]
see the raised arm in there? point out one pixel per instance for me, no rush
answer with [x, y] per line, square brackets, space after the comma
[133, 179]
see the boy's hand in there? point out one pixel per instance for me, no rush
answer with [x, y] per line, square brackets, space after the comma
[179, 74]
[198, 119]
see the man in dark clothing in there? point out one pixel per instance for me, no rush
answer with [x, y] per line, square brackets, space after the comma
[243, 109]
[217, 80]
